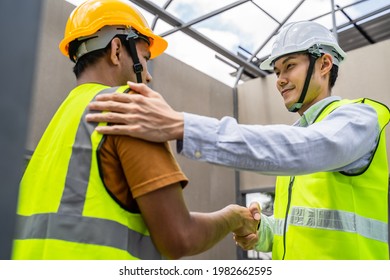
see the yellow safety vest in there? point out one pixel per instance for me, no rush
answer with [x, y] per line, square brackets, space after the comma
[64, 209]
[331, 215]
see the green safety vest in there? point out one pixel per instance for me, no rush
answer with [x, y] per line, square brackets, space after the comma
[64, 209]
[332, 215]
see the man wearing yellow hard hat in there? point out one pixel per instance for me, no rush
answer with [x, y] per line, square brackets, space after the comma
[89, 196]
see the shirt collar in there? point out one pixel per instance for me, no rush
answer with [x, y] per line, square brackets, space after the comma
[311, 114]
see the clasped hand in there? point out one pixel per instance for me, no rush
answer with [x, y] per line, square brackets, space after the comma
[246, 237]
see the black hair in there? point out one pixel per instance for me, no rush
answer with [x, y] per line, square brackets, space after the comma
[92, 57]
[334, 73]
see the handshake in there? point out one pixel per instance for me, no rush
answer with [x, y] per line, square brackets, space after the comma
[246, 236]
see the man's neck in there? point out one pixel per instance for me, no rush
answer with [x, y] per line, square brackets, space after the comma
[98, 73]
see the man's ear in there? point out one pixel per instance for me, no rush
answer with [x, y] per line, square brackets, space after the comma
[326, 63]
[116, 49]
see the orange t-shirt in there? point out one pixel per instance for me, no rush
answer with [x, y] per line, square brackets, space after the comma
[133, 167]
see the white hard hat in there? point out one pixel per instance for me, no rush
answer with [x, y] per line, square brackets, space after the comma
[304, 36]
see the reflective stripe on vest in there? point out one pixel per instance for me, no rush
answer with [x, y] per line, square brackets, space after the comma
[88, 231]
[334, 220]
[69, 224]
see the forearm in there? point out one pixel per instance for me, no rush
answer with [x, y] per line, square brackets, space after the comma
[206, 230]
[228, 143]
[210, 228]
[281, 149]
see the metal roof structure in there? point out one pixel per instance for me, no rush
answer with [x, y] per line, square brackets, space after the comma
[240, 32]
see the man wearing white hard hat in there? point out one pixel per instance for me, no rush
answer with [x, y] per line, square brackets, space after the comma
[331, 199]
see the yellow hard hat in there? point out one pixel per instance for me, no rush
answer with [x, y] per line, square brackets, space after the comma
[92, 15]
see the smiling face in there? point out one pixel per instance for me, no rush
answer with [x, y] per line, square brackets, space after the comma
[291, 71]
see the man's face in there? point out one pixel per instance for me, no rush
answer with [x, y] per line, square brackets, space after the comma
[291, 71]
[143, 56]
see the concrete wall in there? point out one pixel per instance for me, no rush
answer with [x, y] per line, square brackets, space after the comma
[54, 76]
[364, 73]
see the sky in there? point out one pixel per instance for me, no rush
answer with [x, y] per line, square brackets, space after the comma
[244, 28]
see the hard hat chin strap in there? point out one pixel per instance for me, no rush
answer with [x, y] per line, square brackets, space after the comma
[137, 66]
[313, 55]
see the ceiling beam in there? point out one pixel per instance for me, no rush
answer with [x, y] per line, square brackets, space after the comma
[205, 17]
[172, 20]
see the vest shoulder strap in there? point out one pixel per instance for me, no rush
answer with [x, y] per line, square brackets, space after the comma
[382, 110]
